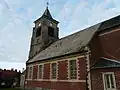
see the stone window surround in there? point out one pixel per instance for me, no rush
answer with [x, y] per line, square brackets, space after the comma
[29, 72]
[68, 59]
[56, 70]
[42, 71]
[69, 71]
[108, 73]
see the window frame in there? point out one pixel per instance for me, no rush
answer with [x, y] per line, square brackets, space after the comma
[42, 70]
[76, 77]
[114, 81]
[30, 72]
[51, 71]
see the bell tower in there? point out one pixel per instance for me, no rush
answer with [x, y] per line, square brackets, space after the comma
[45, 32]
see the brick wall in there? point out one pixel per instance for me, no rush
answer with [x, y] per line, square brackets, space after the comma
[110, 43]
[58, 85]
[63, 70]
[46, 74]
[35, 70]
[96, 50]
[82, 68]
[62, 82]
[97, 80]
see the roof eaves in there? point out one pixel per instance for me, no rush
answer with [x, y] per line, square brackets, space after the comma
[107, 66]
[111, 60]
[92, 68]
[82, 52]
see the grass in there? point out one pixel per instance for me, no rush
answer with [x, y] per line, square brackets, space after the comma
[10, 89]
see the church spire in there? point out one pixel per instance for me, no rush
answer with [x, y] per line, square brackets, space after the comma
[47, 13]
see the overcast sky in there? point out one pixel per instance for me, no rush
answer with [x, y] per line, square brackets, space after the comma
[17, 17]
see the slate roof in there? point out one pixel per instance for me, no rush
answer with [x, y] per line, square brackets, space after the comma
[70, 44]
[47, 15]
[106, 63]
[75, 42]
[110, 23]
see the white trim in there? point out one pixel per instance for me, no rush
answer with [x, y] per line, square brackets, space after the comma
[79, 56]
[111, 60]
[88, 72]
[38, 72]
[31, 72]
[59, 60]
[59, 80]
[78, 74]
[56, 70]
[50, 71]
[109, 32]
[42, 71]
[69, 69]
[103, 74]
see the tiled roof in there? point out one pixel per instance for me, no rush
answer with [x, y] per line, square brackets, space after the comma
[106, 63]
[75, 42]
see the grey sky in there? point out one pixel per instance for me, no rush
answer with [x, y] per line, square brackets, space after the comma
[17, 16]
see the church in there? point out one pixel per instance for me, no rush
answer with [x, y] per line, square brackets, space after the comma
[86, 60]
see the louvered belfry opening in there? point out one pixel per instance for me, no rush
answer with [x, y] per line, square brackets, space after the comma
[51, 31]
[38, 32]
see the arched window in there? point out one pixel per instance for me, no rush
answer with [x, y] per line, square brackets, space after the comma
[51, 31]
[38, 32]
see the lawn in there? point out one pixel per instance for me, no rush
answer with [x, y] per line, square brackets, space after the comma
[10, 89]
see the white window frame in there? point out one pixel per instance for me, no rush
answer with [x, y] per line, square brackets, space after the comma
[107, 73]
[39, 72]
[69, 75]
[51, 70]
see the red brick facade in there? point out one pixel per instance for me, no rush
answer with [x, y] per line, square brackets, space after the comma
[63, 70]
[97, 79]
[110, 43]
[46, 70]
[108, 46]
[58, 85]
[82, 68]
[62, 82]
[95, 48]
[35, 70]
[76, 72]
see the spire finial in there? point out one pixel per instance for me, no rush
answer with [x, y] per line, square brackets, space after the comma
[47, 4]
